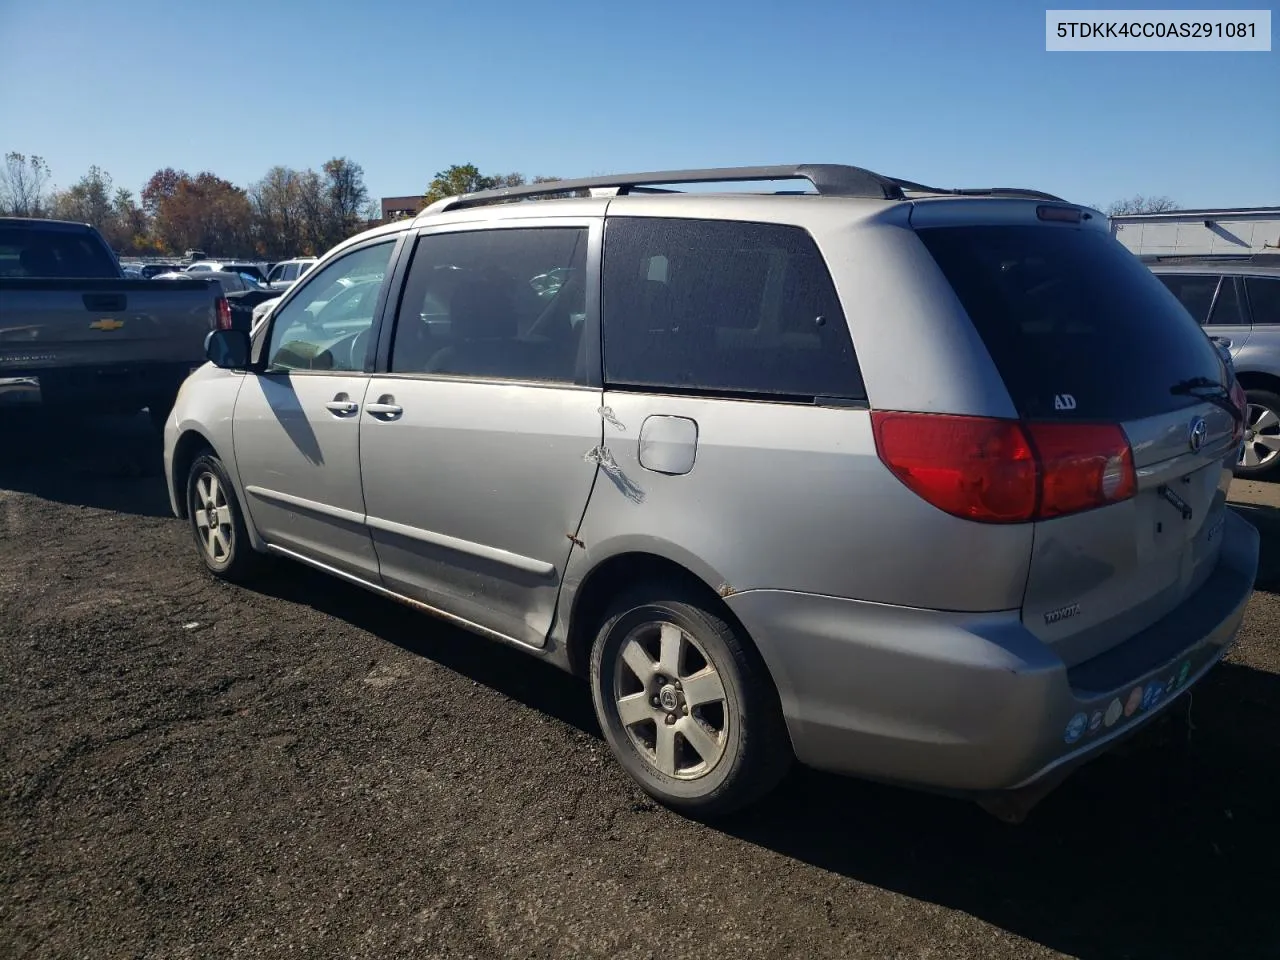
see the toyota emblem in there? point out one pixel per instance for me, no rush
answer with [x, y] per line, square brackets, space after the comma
[1197, 435]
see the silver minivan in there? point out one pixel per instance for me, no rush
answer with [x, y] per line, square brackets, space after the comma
[869, 476]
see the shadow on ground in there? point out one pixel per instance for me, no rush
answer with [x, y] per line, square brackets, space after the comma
[113, 463]
[1165, 850]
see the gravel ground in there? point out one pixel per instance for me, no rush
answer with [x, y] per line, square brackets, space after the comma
[196, 770]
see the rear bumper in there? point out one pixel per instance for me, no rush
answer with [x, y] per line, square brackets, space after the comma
[93, 389]
[973, 702]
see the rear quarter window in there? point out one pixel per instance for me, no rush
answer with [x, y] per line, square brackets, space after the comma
[725, 308]
[1264, 299]
[1077, 327]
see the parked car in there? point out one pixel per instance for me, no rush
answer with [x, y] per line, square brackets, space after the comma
[228, 281]
[229, 266]
[151, 270]
[76, 334]
[736, 468]
[1238, 303]
[283, 274]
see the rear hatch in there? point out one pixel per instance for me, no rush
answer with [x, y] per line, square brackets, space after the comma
[1090, 343]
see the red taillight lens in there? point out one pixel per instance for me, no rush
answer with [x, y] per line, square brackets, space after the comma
[1081, 466]
[971, 467]
[1005, 471]
[224, 314]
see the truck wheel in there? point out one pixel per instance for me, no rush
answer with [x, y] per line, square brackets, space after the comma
[1261, 455]
[217, 523]
[687, 705]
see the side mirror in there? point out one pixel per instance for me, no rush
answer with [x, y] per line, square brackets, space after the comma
[228, 349]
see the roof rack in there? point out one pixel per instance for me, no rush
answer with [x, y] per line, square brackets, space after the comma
[828, 179]
[1262, 259]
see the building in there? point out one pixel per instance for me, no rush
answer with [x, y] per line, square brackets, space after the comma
[395, 207]
[1239, 232]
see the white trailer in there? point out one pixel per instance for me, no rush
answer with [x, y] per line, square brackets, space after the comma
[1200, 233]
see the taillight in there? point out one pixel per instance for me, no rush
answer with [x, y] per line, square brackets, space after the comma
[223, 321]
[1005, 471]
[1082, 466]
[1242, 404]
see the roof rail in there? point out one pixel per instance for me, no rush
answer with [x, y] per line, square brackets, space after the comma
[1019, 192]
[828, 179]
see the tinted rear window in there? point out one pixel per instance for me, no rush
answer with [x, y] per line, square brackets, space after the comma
[1076, 325]
[57, 253]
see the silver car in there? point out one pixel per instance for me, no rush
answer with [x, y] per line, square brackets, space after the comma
[872, 478]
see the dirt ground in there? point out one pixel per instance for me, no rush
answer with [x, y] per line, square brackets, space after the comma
[196, 770]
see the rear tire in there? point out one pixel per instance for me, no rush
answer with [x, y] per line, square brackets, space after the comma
[1261, 457]
[686, 704]
[217, 523]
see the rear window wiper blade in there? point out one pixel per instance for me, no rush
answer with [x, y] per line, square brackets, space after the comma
[1217, 394]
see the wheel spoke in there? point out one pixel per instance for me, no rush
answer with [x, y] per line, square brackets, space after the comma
[202, 519]
[666, 749]
[1249, 456]
[211, 542]
[215, 490]
[1271, 441]
[222, 539]
[634, 656]
[703, 687]
[669, 658]
[704, 743]
[224, 516]
[635, 708]
[202, 488]
[1267, 419]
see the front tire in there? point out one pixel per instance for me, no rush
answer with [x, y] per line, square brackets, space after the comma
[686, 704]
[1260, 458]
[217, 524]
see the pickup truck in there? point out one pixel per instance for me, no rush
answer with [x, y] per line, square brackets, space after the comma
[76, 336]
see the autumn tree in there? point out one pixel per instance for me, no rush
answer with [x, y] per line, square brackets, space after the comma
[203, 212]
[162, 185]
[22, 186]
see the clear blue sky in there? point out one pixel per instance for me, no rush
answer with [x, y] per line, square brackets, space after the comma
[950, 93]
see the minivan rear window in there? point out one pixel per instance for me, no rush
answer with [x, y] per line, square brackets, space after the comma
[1077, 327]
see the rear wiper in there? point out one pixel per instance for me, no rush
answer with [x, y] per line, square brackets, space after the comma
[1218, 395]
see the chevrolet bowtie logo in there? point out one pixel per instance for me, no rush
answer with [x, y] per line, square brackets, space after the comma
[106, 323]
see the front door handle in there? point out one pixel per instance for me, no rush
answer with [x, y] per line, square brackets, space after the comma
[342, 406]
[385, 408]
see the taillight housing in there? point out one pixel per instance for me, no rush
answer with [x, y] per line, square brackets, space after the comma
[222, 319]
[1006, 471]
[1242, 404]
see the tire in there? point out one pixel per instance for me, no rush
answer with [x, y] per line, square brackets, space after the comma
[1261, 456]
[228, 555]
[705, 749]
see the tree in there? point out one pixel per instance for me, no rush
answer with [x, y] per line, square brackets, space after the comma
[88, 201]
[1140, 204]
[347, 198]
[458, 179]
[204, 212]
[22, 183]
[162, 185]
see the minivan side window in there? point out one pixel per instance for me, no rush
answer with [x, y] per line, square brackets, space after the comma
[1264, 299]
[1194, 291]
[506, 304]
[325, 326]
[723, 307]
[1226, 309]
